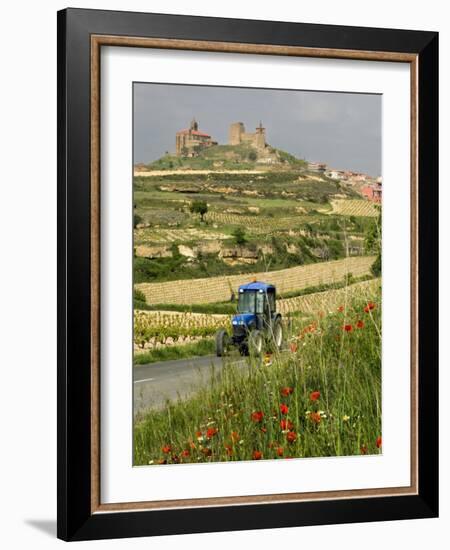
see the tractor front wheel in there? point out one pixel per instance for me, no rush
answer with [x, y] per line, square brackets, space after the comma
[222, 342]
[255, 342]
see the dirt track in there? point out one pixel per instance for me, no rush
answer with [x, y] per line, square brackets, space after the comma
[154, 173]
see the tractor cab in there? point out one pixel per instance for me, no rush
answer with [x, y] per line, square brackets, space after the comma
[256, 305]
[256, 322]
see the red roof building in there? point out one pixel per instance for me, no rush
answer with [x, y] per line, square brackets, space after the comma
[372, 192]
[190, 141]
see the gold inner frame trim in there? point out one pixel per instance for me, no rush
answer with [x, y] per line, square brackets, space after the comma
[97, 41]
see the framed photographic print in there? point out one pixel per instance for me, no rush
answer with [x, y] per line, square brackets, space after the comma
[247, 274]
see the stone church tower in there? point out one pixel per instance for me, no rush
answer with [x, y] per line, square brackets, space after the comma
[260, 137]
[190, 141]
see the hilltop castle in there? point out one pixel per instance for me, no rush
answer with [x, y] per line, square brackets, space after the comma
[238, 135]
[191, 141]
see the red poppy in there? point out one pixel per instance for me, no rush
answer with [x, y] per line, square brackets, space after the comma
[229, 450]
[314, 396]
[284, 409]
[369, 307]
[257, 416]
[175, 459]
[280, 451]
[198, 434]
[257, 455]
[286, 424]
[379, 442]
[363, 449]
[360, 324]
[347, 328]
[186, 452]
[315, 417]
[211, 432]
[293, 347]
[166, 449]
[264, 430]
[291, 437]
[341, 308]
[206, 451]
[162, 461]
[286, 391]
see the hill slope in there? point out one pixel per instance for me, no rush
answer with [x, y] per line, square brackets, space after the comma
[230, 156]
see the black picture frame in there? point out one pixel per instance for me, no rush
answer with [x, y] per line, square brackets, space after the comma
[75, 518]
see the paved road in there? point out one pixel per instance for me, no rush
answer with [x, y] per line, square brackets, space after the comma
[156, 382]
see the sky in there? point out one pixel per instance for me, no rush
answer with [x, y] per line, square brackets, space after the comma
[342, 130]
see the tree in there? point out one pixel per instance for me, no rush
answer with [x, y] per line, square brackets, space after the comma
[239, 236]
[252, 155]
[199, 207]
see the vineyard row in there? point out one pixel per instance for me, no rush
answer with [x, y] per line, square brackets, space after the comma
[218, 289]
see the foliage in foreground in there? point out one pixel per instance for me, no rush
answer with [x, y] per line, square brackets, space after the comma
[321, 398]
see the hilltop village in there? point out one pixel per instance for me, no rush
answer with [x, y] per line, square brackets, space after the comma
[193, 145]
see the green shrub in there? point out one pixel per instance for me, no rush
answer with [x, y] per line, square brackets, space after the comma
[376, 266]
[239, 236]
[139, 296]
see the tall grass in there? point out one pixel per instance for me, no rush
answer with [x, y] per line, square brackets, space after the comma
[321, 398]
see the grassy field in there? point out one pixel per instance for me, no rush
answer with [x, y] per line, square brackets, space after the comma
[204, 346]
[320, 398]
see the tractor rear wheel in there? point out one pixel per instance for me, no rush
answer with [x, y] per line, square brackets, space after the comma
[255, 342]
[278, 334]
[222, 342]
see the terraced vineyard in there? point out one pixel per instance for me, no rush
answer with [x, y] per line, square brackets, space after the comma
[350, 207]
[167, 236]
[152, 328]
[218, 289]
[257, 224]
[328, 300]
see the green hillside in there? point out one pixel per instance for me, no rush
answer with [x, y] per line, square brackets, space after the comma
[229, 157]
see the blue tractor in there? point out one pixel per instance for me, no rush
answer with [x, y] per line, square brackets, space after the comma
[256, 324]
